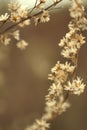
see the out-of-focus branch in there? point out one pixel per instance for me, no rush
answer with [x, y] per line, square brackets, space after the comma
[30, 16]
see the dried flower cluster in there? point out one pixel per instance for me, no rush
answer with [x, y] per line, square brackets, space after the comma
[17, 14]
[21, 16]
[63, 75]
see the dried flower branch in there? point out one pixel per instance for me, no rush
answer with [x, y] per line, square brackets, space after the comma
[21, 16]
[63, 75]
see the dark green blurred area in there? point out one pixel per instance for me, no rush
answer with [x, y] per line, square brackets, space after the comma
[23, 77]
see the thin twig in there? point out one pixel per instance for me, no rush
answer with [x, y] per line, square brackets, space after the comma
[33, 7]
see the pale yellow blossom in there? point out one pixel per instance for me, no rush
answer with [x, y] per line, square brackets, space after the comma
[45, 17]
[16, 35]
[5, 39]
[4, 17]
[22, 45]
[76, 86]
[13, 6]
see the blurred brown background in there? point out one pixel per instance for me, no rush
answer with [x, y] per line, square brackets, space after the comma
[23, 77]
